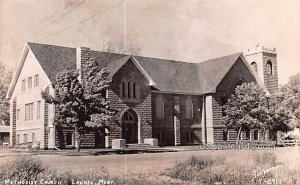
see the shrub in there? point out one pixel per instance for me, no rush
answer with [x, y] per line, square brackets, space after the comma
[212, 171]
[23, 168]
[189, 169]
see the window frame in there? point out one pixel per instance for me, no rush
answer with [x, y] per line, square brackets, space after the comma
[269, 66]
[225, 135]
[254, 66]
[67, 138]
[190, 137]
[159, 99]
[29, 83]
[189, 104]
[38, 110]
[29, 111]
[23, 85]
[25, 138]
[18, 139]
[248, 133]
[18, 114]
[33, 138]
[254, 134]
[36, 80]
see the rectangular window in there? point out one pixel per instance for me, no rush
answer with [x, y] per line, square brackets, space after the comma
[18, 114]
[29, 82]
[25, 138]
[69, 138]
[38, 110]
[255, 134]
[33, 138]
[36, 80]
[18, 139]
[248, 137]
[29, 112]
[23, 85]
[225, 135]
[190, 137]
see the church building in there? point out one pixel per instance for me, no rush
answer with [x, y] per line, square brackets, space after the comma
[178, 103]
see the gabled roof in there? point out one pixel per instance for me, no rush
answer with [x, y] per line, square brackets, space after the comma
[54, 58]
[212, 72]
[172, 76]
[163, 75]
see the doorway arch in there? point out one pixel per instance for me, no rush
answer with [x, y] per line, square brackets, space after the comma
[130, 126]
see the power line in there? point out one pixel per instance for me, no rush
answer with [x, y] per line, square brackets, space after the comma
[80, 22]
[33, 26]
[64, 29]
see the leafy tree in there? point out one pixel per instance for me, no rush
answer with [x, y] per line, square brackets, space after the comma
[290, 98]
[5, 78]
[133, 48]
[82, 106]
[245, 108]
[250, 108]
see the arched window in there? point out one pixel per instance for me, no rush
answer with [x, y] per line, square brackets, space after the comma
[188, 108]
[128, 116]
[254, 66]
[128, 90]
[269, 67]
[123, 89]
[133, 90]
[160, 107]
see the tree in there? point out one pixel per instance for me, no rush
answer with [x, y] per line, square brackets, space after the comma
[245, 108]
[82, 106]
[250, 108]
[290, 98]
[5, 79]
[118, 47]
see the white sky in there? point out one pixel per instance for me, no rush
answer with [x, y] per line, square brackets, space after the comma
[187, 30]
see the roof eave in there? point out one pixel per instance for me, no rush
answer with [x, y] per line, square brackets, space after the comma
[216, 87]
[18, 71]
[143, 71]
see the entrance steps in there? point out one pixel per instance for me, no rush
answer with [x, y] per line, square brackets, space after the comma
[138, 146]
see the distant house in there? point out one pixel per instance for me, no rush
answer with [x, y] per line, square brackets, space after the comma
[179, 103]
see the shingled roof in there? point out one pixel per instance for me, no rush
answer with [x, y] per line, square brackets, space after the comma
[54, 58]
[212, 72]
[168, 75]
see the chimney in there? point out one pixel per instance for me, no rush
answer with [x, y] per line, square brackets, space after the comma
[83, 55]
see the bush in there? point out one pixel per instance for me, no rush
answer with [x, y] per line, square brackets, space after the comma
[188, 170]
[23, 168]
[212, 171]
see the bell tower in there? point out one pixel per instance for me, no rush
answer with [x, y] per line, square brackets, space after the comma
[263, 62]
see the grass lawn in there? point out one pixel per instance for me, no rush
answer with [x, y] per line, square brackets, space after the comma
[152, 166]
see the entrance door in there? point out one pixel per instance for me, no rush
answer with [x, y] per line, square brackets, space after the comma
[130, 127]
